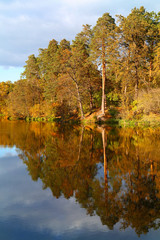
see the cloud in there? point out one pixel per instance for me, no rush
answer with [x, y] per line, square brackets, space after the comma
[29, 25]
[25, 27]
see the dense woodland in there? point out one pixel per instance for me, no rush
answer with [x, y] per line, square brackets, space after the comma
[116, 64]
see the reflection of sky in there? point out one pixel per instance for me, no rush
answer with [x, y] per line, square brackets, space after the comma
[100, 172]
[7, 151]
[28, 212]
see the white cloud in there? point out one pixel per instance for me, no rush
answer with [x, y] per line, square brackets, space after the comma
[29, 25]
[24, 200]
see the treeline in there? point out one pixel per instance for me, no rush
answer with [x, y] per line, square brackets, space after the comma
[110, 64]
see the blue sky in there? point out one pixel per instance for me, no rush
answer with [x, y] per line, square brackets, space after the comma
[27, 25]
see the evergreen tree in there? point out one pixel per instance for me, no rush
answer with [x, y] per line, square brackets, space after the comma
[102, 36]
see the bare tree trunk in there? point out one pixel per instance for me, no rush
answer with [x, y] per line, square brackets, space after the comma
[79, 100]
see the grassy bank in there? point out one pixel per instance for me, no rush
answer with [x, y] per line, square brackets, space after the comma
[151, 120]
[111, 118]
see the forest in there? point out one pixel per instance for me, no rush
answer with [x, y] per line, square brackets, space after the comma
[112, 66]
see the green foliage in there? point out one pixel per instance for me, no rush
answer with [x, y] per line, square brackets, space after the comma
[98, 99]
[113, 98]
[113, 112]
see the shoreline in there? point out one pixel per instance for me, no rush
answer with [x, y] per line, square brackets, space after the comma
[92, 121]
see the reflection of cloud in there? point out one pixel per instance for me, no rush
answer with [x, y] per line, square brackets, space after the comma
[7, 151]
[24, 200]
[7, 163]
[27, 210]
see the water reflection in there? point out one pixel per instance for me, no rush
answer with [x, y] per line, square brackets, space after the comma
[69, 163]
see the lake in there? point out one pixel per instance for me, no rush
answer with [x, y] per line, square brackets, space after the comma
[65, 182]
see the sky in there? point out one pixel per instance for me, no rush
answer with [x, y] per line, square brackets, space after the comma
[27, 25]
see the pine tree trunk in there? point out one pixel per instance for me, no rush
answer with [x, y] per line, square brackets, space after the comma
[103, 79]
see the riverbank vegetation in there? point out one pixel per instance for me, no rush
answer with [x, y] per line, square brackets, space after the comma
[111, 67]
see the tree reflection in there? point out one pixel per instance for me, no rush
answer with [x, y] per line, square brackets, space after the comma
[69, 161]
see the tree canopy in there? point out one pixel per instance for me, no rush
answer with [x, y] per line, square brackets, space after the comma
[114, 63]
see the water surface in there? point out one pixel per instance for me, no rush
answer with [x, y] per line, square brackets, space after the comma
[60, 182]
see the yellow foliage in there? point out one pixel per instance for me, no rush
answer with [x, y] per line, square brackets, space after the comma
[42, 110]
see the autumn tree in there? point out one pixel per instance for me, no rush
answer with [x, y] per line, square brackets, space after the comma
[156, 66]
[73, 70]
[21, 99]
[5, 89]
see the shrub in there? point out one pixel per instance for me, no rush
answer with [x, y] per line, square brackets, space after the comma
[149, 102]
